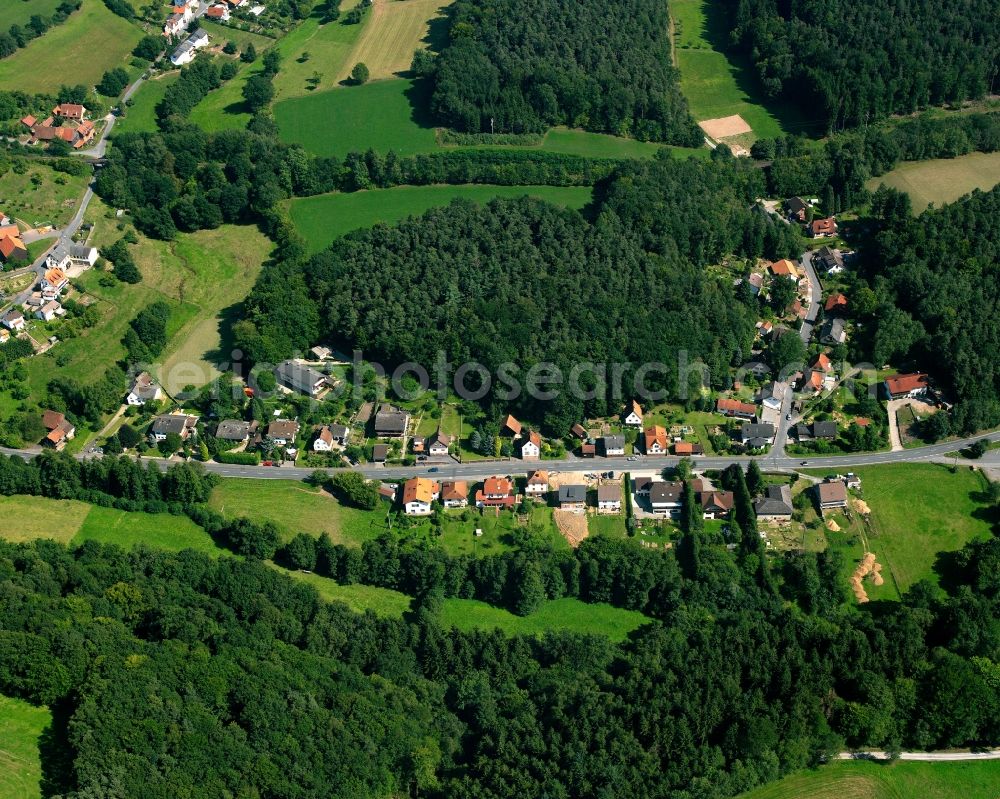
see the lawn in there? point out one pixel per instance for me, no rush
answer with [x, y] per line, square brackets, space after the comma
[31, 517]
[942, 180]
[499, 531]
[223, 108]
[21, 727]
[92, 41]
[160, 530]
[608, 524]
[296, 508]
[325, 217]
[603, 145]
[41, 196]
[901, 780]
[715, 84]
[567, 614]
[919, 510]
[140, 116]
[359, 598]
[394, 30]
[18, 13]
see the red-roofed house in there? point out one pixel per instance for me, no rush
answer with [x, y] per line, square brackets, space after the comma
[632, 415]
[820, 228]
[13, 249]
[531, 448]
[497, 492]
[835, 303]
[510, 427]
[735, 408]
[655, 440]
[906, 386]
[784, 268]
[69, 111]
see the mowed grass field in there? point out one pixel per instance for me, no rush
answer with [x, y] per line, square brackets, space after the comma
[942, 180]
[21, 727]
[395, 30]
[19, 12]
[297, 508]
[919, 510]
[28, 518]
[140, 116]
[323, 218]
[359, 598]
[41, 195]
[901, 780]
[717, 85]
[92, 41]
[567, 614]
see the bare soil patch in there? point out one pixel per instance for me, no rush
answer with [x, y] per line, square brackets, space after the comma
[572, 525]
[723, 127]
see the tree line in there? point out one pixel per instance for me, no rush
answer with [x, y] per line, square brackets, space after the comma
[18, 36]
[514, 66]
[854, 63]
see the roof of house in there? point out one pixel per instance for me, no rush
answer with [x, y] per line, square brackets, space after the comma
[572, 493]
[796, 204]
[833, 491]
[735, 406]
[828, 257]
[662, 491]
[613, 442]
[686, 448]
[50, 307]
[609, 493]
[144, 387]
[862, 421]
[751, 430]
[283, 428]
[825, 429]
[69, 109]
[827, 225]
[173, 423]
[578, 430]
[722, 500]
[298, 376]
[784, 268]
[803, 431]
[773, 390]
[325, 435]
[232, 430]
[340, 431]
[419, 489]
[642, 483]
[533, 438]
[821, 361]
[655, 435]
[813, 378]
[80, 251]
[633, 407]
[776, 502]
[54, 276]
[11, 244]
[379, 452]
[13, 315]
[454, 490]
[441, 438]
[538, 477]
[498, 485]
[390, 420]
[904, 384]
[216, 11]
[52, 419]
[587, 448]
[835, 301]
[510, 423]
[833, 328]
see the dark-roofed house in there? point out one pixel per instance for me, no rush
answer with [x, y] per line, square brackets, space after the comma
[798, 209]
[827, 430]
[298, 377]
[609, 498]
[282, 432]
[751, 434]
[144, 389]
[833, 331]
[612, 445]
[829, 260]
[578, 431]
[180, 423]
[832, 495]
[572, 497]
[716, 504]
[379, 453]
[642, 485]
[438, 445]
[666, 497]
[776, 504]
[233, 430]
[391, 422]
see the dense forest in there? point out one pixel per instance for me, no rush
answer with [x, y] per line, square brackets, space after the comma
[178, 674]
[521, 66]
[523, 281]
[937, 281]
[847, 63]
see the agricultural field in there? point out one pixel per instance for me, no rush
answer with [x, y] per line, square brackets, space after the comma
[717, 85]
[325, 217]
[359, 598]
[567, 614]
[393, 31]
[161, 530]
[20, 12]
[296, 508]
[21, 727]
[942, 180]
[29, 518]
[140, 116]
[902, 780]
[92, 41]
[41, 196]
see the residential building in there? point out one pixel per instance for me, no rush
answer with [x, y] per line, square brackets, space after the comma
[776, 504]
[773, 394]
[906, 386]
[836, 303]
[298, 377]
[784, 268]
[824, 430]
[813, 380]
[822, 362]
[440, 444]
[612, 445]
[144, 389]
[686, 448]
[282, 432]
[832, 495]
[538, 483]
[609, 498]
[391, 422]
[234, 430]
[641, 486]
[55, 277]
[323, 441]
[180, 423]
[497, 492]
[60, 429]
[176, 24]
[757, 436]
[71, 111]
[798, 209]
[655, 440]
[12, 248]
[833, 332]
[379, 453]
[716, 504]
[572, 497]
[736, 409]
[187, 50]
[510, 427]
[666, 497]
[829, 260]
[387, 491]
[321, 353]
[13, 320]
[588, 449]
[531, 448]
[455, 493]
[578, 431]
[418, 444]
[218, 12]
[822, 228]
[418, 495]
[632, 415]
[49, 311]
[81, 255]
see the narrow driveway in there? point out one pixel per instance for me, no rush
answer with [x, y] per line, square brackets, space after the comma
[934, 757]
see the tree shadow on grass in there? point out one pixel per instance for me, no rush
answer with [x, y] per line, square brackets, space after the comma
[56, 754]
[419, 97]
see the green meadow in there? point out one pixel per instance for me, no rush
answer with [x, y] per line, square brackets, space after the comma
[942, 180]
[140, 116]
[21, 728]
[325, 217]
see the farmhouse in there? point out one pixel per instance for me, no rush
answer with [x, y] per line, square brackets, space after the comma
[907, 386]
[60, 429]
[497, 492]
[233, 430]
[736, 409]
[666, 497]
[572, 497]
[655, 440]
[179, 423]
[531, 448]
[831, 495]
[632, 415]
[455, 493]
[776, 504]
[418, 494]
[538, 483]
[609, 498]
[612, 445]
[12, 248]
[144, 389]
[821, 228]
[69, 111]
[833, 332]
